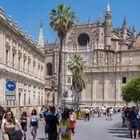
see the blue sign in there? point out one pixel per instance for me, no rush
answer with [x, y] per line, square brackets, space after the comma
[10, 85]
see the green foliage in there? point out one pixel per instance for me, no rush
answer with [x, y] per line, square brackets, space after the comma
[76, 65]
[131, 91]
[62, 19]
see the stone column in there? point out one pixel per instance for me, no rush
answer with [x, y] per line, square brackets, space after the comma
[118, 88]
[106, 87]
[94, 92]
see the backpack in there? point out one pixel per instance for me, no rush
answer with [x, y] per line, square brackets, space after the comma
[64, 131]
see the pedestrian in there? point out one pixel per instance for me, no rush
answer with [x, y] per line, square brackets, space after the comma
[9, 123]
[65, 125]
[2, 111]
[51, 124]
[134, 124]
[34, 123]
[73, 119]
[87, 111]
[23, 123]
[46, 113]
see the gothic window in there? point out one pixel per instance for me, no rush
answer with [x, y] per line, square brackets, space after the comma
[49, 69]
[83, 39]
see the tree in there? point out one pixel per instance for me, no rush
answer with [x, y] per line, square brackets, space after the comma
[131, 91]
[76, 65]
[61, 20]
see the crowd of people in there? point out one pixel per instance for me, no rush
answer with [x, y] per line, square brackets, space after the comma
[56, 124]
[61, 123]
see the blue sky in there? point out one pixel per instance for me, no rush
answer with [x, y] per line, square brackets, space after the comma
[29, 13]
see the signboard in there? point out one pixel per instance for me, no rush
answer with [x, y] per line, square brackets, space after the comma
[7, 92]
[10, 93]
[10, 85]
[10, 98]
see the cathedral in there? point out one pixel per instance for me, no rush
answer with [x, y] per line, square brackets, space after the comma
[111, 56]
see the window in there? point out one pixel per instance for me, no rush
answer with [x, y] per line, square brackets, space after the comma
[124, 80]
[28, 65]
[7, 52]
[34, 100]
[49, 69]
[83, 39]
[38, 99]
[24, 99]
[24, 63]
[19, 59]
[13, 59]
[29, 101]
[33, 67]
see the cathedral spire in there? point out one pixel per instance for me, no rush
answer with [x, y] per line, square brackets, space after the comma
[108, 28]
[100, 18]
[108, 7]
[41, 37]
[124, 22]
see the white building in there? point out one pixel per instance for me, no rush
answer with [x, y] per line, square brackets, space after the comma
[22, 62]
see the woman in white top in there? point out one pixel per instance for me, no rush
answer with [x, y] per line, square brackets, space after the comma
[34, 122]
[8, 124]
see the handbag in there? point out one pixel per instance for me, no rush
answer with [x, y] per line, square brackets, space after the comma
[15, 135]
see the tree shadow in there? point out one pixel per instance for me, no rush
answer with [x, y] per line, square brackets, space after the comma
[118, 131]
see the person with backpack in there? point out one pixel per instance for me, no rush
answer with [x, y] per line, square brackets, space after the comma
[34, 123]
[51, 124]
[65, 126]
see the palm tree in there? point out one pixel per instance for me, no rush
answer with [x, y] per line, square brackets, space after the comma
[76, 65]
[61, 20]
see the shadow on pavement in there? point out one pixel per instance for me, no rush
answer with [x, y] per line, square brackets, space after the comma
[41, 138]
[119, 131]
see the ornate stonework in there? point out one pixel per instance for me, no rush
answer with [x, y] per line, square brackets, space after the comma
[111, 57]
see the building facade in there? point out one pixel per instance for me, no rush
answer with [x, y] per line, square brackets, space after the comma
[22, 62]
[111, 56]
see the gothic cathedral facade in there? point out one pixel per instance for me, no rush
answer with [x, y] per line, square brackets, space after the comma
[111, 56]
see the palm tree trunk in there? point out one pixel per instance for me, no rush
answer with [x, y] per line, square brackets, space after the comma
[59, 97]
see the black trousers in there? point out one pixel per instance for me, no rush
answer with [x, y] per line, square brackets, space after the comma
[87, 116]
[52, 136]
